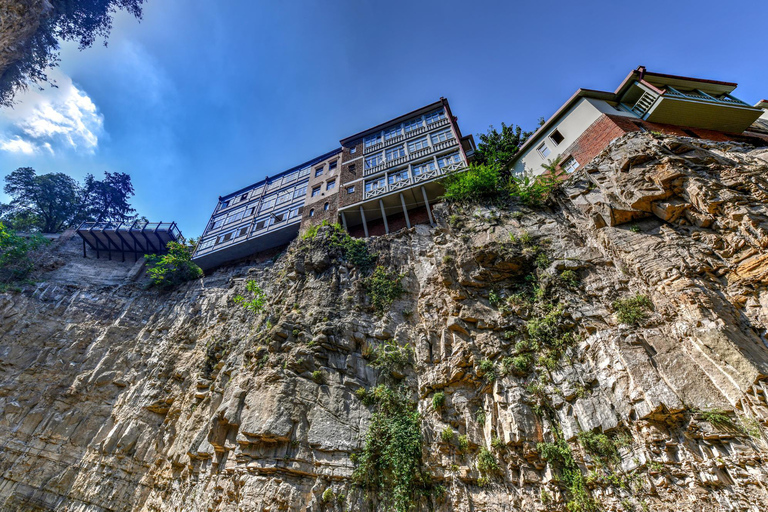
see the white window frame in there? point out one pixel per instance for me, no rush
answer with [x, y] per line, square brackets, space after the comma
[400, 150]
[441, 136]
[380, 183]
[413, 124]
[378, 158]
[330, 185]
[391, 133]
[316, 191]
[568, 166]
[434, 117]
[398, 176]
[372, 140]
[543, 149]
[418, 144]
[424, 167]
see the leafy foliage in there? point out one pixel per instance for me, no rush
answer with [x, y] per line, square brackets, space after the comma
[497, 148]
[390, 466]
[83, 21]
[383, 287]
[354, 250]
[390, 357]
[258, 298]
[486, 462]
[534, 191]
[559, 455]
[15, 261]
[600, 445]
[446, 435]
[477, 184]
[438, 400]
[53, 202]
[166, 271]
[632, 310]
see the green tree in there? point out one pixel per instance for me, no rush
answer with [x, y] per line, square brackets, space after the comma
[36, 51]
[49, 203]
[107, 199]
[497, 148]
[169, 270]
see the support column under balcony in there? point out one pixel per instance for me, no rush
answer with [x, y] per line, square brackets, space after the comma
[365, 224]
[426, 205]
[344, 221]
[384, 216]
[405, 211]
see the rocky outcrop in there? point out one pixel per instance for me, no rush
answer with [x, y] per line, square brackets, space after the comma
[119, 398]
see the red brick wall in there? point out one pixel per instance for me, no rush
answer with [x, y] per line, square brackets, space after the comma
[609, 127]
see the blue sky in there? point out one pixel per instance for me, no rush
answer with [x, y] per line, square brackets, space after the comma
[204, 97]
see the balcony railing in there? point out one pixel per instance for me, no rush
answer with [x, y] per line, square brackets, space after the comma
[394, 140]
[702, 96]
[408, 182]
[387, 164]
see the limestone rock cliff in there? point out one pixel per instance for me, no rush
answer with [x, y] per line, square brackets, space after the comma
[119, 398]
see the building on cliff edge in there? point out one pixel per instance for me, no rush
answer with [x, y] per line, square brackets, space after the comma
[378, 180]
[689, 107]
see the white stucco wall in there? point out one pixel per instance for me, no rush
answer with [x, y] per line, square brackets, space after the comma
[580, 117]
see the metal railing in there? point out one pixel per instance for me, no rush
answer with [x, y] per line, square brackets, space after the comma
[407, 135]
[413, 180]
[699, 95]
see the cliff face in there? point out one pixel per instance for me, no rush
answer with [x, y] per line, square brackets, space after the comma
[117, 398]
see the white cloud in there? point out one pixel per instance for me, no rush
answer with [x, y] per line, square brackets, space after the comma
[62, 118]
[17, 145]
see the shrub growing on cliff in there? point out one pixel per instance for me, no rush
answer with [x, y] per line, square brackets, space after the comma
[632, 310]
[390, 466]
[479, 183]
[533, 191]
[258, 298]
[169, 270]
[15, 261]
[383, 288]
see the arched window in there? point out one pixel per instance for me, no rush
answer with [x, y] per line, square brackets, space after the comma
[312, 212]
[326, 206]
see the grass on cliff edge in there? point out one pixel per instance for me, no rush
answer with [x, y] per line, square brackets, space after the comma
[169, 270]
[15, 260]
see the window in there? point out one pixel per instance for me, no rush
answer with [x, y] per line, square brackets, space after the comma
[326, 206]
[304, 172]
[226, 237]
[242, 232]
[257, 192]
[235, 215]
[274, 184]
[353, 150]
[244, 197]
[279, 217]
[448, 160]
[556, 137]
[295, 212]
[312, 212]
[413, 124]
[420, 169]
[318, 172]
[418, 144]
[442, 136]
[372, 140]
[398, 176]
[332, 166]
[316, 191]
[208, 243]
[391, 133]
[395, 153]
[351, 190]
[260, 224]
[224, 204]
[250, 211]
[217, 223]
[570, 164]
[300, 191]
[352, 168]
[290, 178]
[267, 204]
[373, 160]
[330, 185]
[374, 184]
[435, 116]
[284, 197]
[543, 149]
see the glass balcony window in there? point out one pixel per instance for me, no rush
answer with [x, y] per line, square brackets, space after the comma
[391, 133]
[435, 116]
[374, 160]
[299, 192]
[208, 243]
[442, 136]
[418, 144]
[453, 158]
[374, 184]
[420, 169]
[395, 153]
[413, 124]
[398, 176]
[304, 172]
[372, 140]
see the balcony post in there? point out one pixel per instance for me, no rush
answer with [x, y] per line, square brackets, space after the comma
[344, 221]
[384, 216]
[426, 204]
[405, 211]
[365, 224]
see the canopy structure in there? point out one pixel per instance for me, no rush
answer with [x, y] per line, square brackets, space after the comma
[137, 238]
